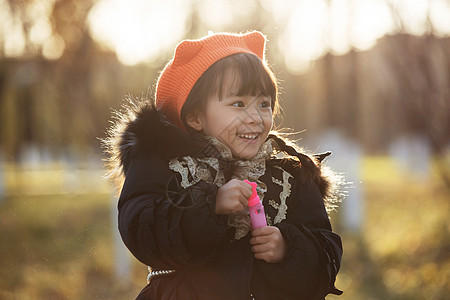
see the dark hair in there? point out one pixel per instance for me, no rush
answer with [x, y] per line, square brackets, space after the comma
[250, 76]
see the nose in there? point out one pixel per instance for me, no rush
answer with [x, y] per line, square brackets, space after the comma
[253, 115]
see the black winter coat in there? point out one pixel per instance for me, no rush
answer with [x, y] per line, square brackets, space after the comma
[167, 226]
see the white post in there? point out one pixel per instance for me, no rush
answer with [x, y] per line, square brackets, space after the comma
[346, 159]
[412, 155]
[2, 187]
[122, 263]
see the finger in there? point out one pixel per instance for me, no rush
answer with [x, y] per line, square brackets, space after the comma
[259, 240]
[238, 207]
[262, 248]
[233, 207]
[246, 189]
[238, 198]
[262, 231]
[266, 256]
[242, 201]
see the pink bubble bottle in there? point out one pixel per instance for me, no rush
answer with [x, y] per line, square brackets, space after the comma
[256, 208]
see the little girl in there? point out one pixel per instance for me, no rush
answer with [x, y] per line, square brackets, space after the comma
[183, 207]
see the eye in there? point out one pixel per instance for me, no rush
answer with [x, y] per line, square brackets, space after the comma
[238, 104]
[265, 104]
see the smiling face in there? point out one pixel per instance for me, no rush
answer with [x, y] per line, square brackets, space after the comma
[242, 123]
[234, 101]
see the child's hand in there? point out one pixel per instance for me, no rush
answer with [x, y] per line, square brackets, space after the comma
[232, 197]
[268, 244]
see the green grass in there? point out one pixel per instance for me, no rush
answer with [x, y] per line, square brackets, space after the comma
[60, 245]
[403, 249]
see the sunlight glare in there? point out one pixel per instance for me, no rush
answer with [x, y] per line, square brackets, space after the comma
[41, 28]
[14, 44]
[304, 39]
[371, 19]
[138, 30]
[40, 31]
[315, 27]
[215, 14]
[440, 15]
[36, 17]
[339, 25]
[37, 10]
[280, 9]
[53, 47]
[414, 14]
[11, 33]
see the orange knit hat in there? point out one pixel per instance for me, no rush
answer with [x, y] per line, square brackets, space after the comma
[191, 59]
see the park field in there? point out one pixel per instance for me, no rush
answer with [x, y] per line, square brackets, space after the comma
[57, 237]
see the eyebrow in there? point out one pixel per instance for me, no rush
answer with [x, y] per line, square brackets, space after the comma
[258, 96]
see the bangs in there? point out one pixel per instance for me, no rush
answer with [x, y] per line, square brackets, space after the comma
[241, 75]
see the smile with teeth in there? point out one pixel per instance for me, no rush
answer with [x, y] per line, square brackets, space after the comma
[251, 136]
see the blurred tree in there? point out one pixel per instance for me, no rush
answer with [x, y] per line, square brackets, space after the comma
[58, 92]
[50, 102]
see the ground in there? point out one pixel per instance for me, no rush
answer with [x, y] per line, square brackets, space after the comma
[60, 244]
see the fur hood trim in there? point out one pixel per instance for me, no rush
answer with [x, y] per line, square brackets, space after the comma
[139, 126]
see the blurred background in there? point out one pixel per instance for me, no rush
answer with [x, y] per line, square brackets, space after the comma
[366, 79]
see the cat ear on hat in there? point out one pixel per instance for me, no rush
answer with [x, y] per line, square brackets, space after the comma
[186, 51]
[256, 41]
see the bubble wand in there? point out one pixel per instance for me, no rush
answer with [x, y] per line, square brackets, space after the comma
[256, 209]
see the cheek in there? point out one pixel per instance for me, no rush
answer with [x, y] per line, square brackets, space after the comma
[221, 124]
[227, 120]
[268, 120]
